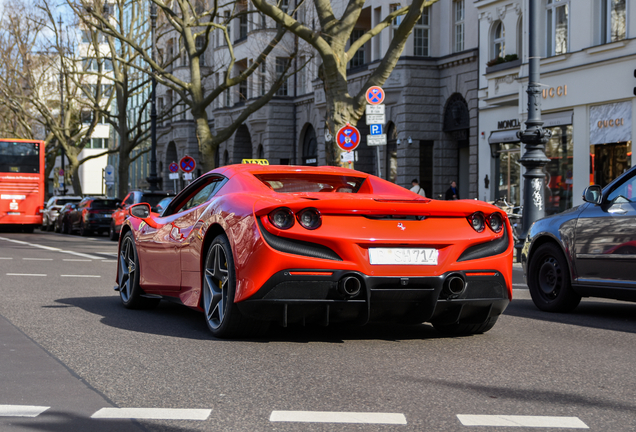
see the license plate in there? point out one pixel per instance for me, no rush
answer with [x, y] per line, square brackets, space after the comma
[403, 256]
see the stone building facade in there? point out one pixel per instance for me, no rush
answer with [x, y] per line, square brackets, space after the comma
[431, 108]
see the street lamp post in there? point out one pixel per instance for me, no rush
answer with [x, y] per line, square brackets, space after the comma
[153, 180]
[62, 122]
[534, 137]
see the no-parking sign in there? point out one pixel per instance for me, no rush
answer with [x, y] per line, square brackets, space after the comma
[187, 164]
[375, 95]
[348, 138]
[173, 167]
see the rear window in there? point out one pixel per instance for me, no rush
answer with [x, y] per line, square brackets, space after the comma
[104, 204]
[295, 183]
[61, 202]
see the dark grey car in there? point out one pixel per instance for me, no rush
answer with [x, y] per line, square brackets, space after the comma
[588, 251]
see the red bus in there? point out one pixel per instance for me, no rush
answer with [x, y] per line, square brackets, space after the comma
[21, 183]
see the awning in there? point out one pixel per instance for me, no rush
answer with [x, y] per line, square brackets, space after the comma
[500, 137]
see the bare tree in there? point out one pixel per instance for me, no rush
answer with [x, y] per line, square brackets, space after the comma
[331, 40]
[194, 23]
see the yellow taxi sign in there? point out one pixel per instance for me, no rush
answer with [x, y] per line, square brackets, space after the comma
[256, 161]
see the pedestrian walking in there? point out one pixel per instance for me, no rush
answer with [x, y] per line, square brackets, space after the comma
[416, 188]
[452, 193]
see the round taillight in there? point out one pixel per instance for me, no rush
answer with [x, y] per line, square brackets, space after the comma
[495, 222]
[309, 218]
[282, 218]
[477, 221]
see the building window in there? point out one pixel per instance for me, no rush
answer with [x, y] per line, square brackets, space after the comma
[498, 41]
[302, 76]
[199, 44]
[228, 26]
[420, 34]
[613, 20]
[97, 143]
[559, 149]
[396, 22]
[281, 65]
[263, 78]
[358, 57]
[458, 5]
[520, 38]
[242, 90]
[242, 8]
[557, 25]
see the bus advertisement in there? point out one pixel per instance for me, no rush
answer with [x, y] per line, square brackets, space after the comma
[21, 183]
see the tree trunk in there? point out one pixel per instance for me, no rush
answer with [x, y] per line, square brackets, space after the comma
[206, 140]
[73, 168]
[122, 172]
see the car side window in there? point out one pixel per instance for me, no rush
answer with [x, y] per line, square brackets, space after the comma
[624, 192]
[129, 200]
[203, 193]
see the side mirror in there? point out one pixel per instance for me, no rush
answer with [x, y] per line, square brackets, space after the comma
[593, 194]
[141, 210]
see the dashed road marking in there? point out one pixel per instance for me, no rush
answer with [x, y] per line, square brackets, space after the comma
[152, 413]
[21, 410]
[49, 248]
[77, 260]
[6, 258]
[26, 274]
[38, 259]
[522, 421]
[109, 260]
[337, 417]
[81, 276]
[520, 285]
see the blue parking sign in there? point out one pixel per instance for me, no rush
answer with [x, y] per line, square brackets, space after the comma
[375, 129]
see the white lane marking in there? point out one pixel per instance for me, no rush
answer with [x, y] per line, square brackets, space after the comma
[109, 260]
[25, 274]
[7, 258]
[522, 421]
[337, 417]
[76, 260]
[86, 276]
[152, 413]
[49, 248]
[520, 285]
[38, 259]
[21, 410]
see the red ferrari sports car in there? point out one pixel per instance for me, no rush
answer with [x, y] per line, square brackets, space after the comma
[251, 244]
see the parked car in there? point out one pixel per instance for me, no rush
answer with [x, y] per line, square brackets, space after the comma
[92, 214]
[251, 244]
[52, 208]
[134, 197]
[62, 224]
[587, 251]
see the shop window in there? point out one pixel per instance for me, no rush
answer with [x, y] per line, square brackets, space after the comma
[613, 20]
[557, 27]
[558, 181]
[509, 173]
[608, 161]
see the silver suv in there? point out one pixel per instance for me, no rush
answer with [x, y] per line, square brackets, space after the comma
[52, 208]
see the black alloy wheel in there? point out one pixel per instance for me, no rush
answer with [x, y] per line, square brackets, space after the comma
[549, 280]
[83, 231]
[130, 293]
[219, 284]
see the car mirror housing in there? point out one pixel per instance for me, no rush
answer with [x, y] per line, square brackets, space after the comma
[141, 210]
[593, 194]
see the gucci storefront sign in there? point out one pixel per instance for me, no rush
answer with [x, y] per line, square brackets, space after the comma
[611, 123]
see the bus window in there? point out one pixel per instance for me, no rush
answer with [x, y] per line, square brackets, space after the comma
[19, 157]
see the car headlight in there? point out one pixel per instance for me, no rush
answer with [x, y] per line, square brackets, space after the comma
[309, 218]
[282, 218]
[495, 222]
[477, 221]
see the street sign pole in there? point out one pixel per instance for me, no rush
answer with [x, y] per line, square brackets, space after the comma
[375, 117]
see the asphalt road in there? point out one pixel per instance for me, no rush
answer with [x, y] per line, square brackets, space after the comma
[68, 349]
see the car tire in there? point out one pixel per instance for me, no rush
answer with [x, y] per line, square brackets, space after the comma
[45, 224]
[112, 234]
[549, 280]
[66, 228]
[466, 329]
[130, 292]
[83, 231]
[222, 316]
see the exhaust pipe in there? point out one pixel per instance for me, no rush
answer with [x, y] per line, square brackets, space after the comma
[454, 286]
[349, 286]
